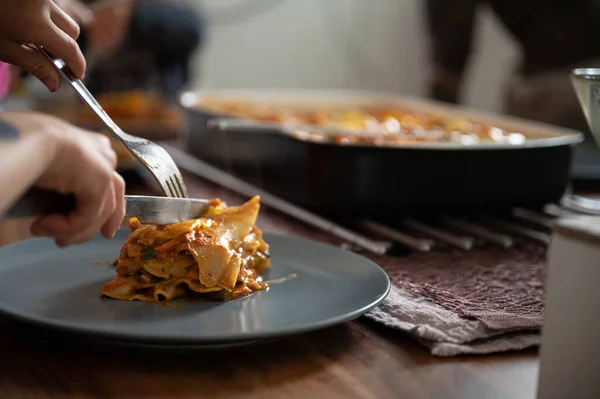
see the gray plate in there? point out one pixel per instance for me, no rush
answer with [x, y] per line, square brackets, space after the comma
[59, 288]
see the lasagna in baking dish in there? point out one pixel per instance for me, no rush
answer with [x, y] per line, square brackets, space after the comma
[374, 125]
[221, 254]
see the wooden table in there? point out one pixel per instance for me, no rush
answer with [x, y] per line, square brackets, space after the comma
[356, 360]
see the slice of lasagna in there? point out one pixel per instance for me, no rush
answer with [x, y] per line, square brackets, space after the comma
[221, 253]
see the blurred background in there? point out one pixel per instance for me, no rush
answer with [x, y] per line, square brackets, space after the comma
[354, 44]
[349, 44]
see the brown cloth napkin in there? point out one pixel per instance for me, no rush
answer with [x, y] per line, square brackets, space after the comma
[444, 332]
[476, 302]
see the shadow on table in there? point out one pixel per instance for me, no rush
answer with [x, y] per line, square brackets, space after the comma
[38, 360]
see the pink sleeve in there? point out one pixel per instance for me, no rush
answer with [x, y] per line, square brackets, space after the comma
[4, 79]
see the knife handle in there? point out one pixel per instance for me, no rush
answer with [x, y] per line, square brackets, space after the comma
[40, 202]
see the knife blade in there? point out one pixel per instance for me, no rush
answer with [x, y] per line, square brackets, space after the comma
[149, 209]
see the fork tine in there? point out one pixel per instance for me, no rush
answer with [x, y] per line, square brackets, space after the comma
[176, 182]
[181, 186]
[164, 189]
[173, 186]
[172, 192]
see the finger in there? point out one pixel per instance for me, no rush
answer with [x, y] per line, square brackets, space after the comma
[81, 13]
[67, 231]
[89, 230]
[107, 150]
[103, 144]
[60, 227]
[56, 226]
[105, 212]
[61, 45]
[33, 62]
[116, 219]
[64, 22]
[50, 226]
[78, 225]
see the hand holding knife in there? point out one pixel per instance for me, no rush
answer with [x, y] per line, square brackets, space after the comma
[149, 209]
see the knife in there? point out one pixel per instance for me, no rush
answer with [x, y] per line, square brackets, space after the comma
[149, 209]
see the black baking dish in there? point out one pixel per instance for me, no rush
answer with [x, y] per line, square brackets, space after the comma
[367, 180]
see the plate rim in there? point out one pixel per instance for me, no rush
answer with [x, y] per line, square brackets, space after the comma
[13, 312]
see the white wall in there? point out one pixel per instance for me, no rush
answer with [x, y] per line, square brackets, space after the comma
[356, 44]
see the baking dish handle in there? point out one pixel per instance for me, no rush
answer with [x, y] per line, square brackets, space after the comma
[296, 131]
[244, 125]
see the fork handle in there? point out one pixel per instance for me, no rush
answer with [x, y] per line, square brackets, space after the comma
[82, 92]
[40, 202]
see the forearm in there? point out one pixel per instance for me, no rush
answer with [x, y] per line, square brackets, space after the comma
[171, 29]
[445, 85]
[24, 158]
[451, 25]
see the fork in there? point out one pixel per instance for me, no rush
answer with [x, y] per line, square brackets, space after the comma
[151, 155]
